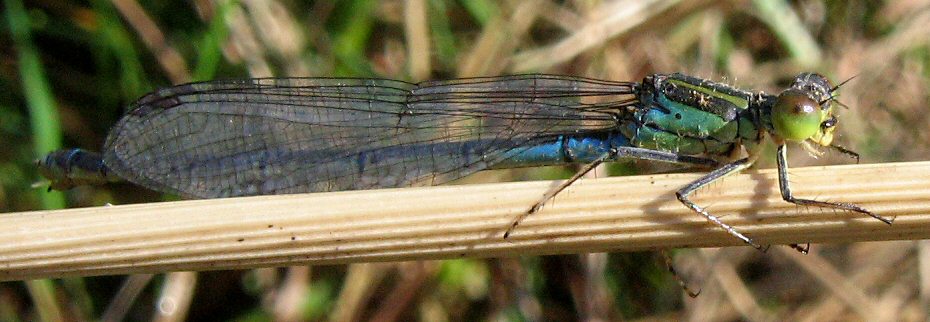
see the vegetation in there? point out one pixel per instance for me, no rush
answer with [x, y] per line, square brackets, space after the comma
[69, 68]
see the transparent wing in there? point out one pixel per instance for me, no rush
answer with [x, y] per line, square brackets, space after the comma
[289, 135]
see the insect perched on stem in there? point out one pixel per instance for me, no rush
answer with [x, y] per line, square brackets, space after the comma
[289, 135]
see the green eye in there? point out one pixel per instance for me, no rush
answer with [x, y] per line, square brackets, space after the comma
[795, 116]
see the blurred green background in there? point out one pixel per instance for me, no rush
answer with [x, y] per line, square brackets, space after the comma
[69, 69]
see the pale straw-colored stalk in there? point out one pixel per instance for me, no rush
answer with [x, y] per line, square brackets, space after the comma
[592, 215]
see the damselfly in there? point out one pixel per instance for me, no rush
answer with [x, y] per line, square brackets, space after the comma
[289, 135]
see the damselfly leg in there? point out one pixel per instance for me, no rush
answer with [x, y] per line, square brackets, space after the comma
[783, 185]
[728, 169]
[670, 265]
[615, 153]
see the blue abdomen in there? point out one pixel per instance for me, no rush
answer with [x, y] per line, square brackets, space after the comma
[564, 149]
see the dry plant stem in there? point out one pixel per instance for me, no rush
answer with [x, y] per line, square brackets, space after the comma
[125, 297]
[416, 25]
[174, 299]
[735, 289]
[618, 18]
[855, 297]
[609, 214]
[878, 270]
[168, 57]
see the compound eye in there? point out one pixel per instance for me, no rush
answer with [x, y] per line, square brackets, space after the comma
[796, 116]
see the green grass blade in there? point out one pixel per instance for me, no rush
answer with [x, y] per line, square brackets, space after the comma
[210, 53]
[790, 31]
[43, 117]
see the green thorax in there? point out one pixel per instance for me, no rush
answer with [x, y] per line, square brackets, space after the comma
[692, 116]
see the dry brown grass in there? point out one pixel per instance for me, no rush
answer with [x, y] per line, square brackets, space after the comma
[884, 45]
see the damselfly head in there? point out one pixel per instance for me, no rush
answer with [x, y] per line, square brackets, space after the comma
[804, 111]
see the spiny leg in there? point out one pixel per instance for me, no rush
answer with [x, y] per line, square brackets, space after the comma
[552, 192]
[671, 269]
[614, 153]
[786, 194]
[721, 172]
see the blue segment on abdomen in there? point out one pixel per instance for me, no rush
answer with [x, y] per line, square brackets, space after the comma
[564, 149]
